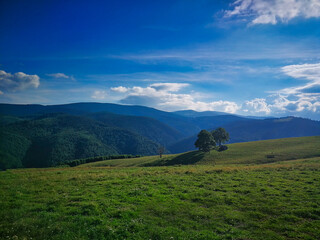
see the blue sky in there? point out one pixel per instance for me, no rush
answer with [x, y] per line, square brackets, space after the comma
[249, 57]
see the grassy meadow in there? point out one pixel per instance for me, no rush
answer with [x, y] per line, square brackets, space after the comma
[237, 154]
[241, 193]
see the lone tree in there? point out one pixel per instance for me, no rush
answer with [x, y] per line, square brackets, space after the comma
[161, 150]
[220, 135]
[205, 141]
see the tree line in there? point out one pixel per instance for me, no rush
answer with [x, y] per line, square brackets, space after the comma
[77, 162]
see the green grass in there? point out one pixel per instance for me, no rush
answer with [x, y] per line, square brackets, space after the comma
[267, 201]
[226, 200]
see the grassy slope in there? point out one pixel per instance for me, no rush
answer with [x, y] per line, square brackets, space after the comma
[266, 201]
[238, 153]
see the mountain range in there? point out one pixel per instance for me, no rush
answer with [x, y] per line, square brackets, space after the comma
[42, 136]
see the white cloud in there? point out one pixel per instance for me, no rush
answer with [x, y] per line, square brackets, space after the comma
[257, 105]
[274, 11]
[99, 95]
[119, 89]
[283, 105]
[60, 75]
[1, 92]
[18, 81]
[223, 106]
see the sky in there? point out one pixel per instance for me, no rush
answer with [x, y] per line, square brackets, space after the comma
[247, 57]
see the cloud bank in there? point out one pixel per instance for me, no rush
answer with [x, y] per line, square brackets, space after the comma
[274, 11]
[17, 81]
[166, 96]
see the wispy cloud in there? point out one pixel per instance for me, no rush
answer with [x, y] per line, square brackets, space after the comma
[302, 100]
[308, 72]
[257, 47]
[169, 87]
[18, 81]
[60, 76]
[274, 11]
[208, 75]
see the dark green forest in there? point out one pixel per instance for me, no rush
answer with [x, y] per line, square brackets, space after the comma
[52, 140]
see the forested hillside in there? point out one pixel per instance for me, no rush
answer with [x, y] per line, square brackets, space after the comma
[52, 140]
[145, 126]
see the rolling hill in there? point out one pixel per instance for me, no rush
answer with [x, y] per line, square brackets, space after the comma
[248, 153]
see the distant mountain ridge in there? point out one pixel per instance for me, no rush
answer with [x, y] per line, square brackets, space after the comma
[182, 124]
[194, 114]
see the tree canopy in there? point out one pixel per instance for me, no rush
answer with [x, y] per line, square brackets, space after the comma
[205, 141]
[220, 135]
